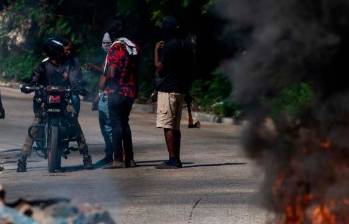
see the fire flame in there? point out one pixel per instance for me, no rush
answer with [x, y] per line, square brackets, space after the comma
[326, 144]
[301, 203]
[322, 214]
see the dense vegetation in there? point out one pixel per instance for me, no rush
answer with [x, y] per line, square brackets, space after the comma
[25, 24]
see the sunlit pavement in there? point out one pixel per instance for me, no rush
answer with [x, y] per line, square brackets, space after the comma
[218, 184]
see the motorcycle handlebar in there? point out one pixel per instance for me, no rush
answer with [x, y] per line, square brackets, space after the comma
[28, 89]
[58, 88]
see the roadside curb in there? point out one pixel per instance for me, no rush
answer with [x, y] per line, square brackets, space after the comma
[14, 85]
[151, 108]
[197, 116]
[145, 108]
[213, 118]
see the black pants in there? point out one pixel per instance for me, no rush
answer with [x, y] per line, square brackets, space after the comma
[82, 145]
[2, 111]
[119, 109]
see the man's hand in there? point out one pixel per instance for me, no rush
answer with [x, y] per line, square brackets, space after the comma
[159, 45]
[158, 65]
[93, 68]
[95, 103]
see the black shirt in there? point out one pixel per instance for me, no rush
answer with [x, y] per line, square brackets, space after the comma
[177, 57]
[75, 74]
[47, 74]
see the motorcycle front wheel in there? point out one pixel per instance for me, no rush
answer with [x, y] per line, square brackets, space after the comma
[54, 157]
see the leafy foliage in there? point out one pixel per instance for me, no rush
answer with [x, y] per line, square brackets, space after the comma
[25, 24]
[214, 95]
[17, 67]
[292, 100]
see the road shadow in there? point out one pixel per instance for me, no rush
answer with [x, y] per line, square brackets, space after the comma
[213, 165]
[186, 164]
[11, 161]
[191, 165]
[70, 169]
[65, 169]
[10, 150]
[149, 161]
[154, 163]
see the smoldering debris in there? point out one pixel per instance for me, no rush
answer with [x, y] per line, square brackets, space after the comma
[50, 211]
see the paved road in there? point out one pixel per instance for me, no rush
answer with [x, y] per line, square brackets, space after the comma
[218, 184]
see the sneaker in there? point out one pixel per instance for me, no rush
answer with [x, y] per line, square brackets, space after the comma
[22, 165]
[170, 165]
[58, 170]
[130, 163]
[118, 164]
[88, 162]
[105, 161]
[195, 125]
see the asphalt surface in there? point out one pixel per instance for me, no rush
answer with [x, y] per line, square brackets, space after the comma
[218, 183]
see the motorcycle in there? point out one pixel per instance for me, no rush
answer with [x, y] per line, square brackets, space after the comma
[56, 128]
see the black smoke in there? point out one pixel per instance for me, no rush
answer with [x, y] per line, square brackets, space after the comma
[287, 43]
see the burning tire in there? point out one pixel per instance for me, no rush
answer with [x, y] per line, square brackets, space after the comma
[54, 157]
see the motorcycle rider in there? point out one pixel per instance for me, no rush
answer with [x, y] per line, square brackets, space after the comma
[54, 70]
[75, 74]
[76, 85]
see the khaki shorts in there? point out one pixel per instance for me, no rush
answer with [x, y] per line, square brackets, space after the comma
[169, 110]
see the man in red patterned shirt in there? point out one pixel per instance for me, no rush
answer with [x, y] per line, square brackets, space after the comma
[119, 84]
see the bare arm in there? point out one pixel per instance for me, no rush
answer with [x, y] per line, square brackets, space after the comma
[94, 68]
[157, 63]
[101, 84]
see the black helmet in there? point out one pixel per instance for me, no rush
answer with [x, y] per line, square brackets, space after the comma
[169, 27]
[54, 47]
